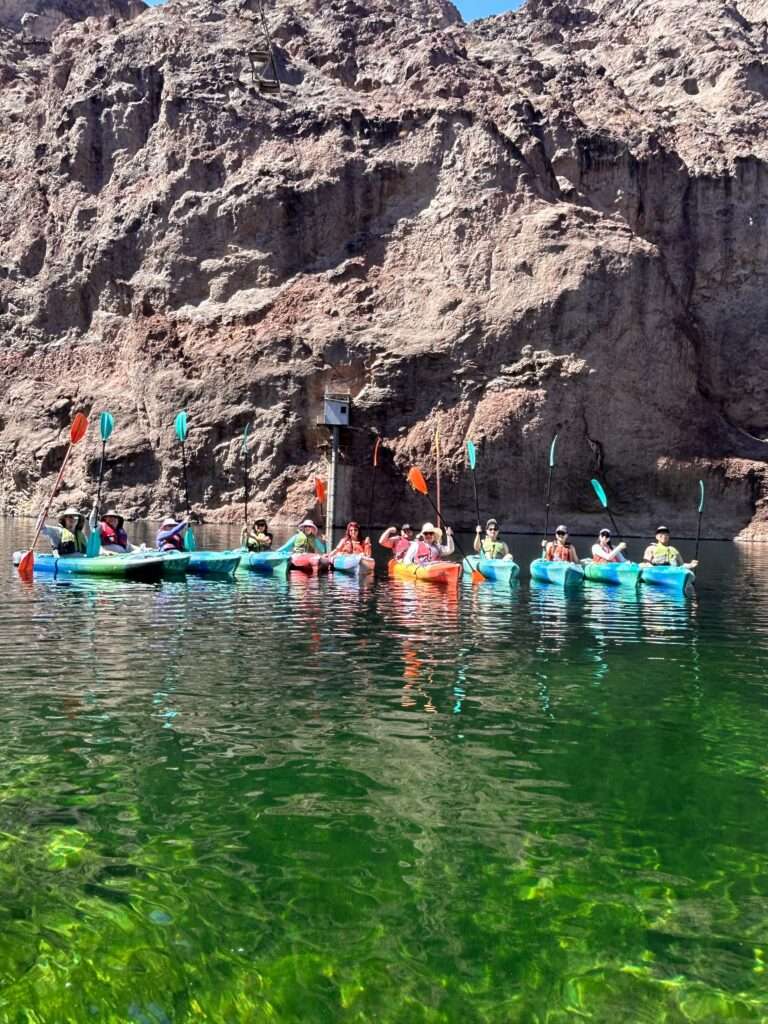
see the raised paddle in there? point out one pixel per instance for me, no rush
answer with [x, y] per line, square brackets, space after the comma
[472, 459]
[373, 479]
[106, 426]
[701, 513]
[603, 499]
[439, 505]
[549, 483]
[418, 483]
[77, 432]
[246, 468]
[182, 429]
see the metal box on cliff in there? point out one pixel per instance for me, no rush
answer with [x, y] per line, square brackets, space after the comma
[336, 409]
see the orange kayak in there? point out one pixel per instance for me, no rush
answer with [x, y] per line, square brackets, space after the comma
[434, 572]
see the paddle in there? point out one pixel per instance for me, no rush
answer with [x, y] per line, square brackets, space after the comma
[106, 426]
[320, 495]
[373, 479]
[603, 498]
[437, 477]
[182, 429]
[472, 458]
[246, 468]
[77, 432]
[701, 513]
[549, 483]
[418, 483]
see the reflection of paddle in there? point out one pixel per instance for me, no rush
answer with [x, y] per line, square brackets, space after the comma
[106, 426]
[549, 483]
[418, 483]
[182, 428]
[603, 498]
[76, 433]
[373, 481]
[701, 513]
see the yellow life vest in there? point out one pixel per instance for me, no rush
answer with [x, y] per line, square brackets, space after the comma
[494, 548]
[305, 544]
[258, 541]
[663, 554]
[72, 543]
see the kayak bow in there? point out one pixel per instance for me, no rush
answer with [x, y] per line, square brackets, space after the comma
[564, 574]
[141, 568]
[627, 573]
[499, 570]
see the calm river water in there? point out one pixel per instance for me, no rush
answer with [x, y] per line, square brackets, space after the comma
[316, 801]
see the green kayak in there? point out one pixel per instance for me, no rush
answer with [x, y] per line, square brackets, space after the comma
[141, 566]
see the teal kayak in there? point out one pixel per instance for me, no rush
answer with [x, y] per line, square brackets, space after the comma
[213, 563]
[175, 564]
[626, 573]
[499, 570]
[267, 563]
[353, 565]
[673, 577]
[564, 574]
[141, 566]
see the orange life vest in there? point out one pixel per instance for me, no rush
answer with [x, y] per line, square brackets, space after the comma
[557, 552]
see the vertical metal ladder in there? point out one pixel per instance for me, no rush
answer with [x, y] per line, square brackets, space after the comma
[262, 59]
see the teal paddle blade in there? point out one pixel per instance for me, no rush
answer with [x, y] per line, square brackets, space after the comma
[189, 540]
[701, 496]
[106, 425]
[598, 489]
[94, 543]
[471, 455]
[181, 426]
[244, 447]
[552, 452]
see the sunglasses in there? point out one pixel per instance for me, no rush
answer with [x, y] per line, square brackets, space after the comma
[561, 533]
[430, 533]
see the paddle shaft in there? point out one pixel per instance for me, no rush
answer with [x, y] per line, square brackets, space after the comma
[698, 535]
[548, 505]
[184, 472]
[41, 520]
[101, 478]
[616, 529]
[434, 506]
[373, 482]
[477, 504]
[246, 482]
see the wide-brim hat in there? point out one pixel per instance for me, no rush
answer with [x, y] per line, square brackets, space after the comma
[307, 522]
[429, 528]
[113, 512]
[72, 511]
[169, 527]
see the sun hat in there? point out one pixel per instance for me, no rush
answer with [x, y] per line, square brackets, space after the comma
[491, 522]
[72, 511]
[169, 527]
[117, 515]
[428, 528]
[307, 522]
[561, 529]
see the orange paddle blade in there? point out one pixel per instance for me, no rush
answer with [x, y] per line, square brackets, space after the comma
[417, 481]
[78, 429]
[27, 565]
[320, 489]
[376, 451]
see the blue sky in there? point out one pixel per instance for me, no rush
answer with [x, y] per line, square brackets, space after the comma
[469, 8]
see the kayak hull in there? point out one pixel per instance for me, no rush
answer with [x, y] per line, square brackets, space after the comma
[672, 577]
[616, 573]
[213, 563]
[434, 572]
[175, 564]
[267, 563]
[353, 565]
[140, 568]
[499, 570]
[562, 574]
[309, 563]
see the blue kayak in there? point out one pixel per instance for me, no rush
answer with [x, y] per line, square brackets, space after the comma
[500, 570]
[353, 565]
[213, 563]
[141, 566]
[564, 574]
[673, 577]
[265, 562]
[626, 573]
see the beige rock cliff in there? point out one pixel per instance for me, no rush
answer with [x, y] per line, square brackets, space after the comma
[550, 221]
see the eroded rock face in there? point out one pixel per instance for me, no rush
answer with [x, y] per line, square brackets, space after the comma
[550, 221]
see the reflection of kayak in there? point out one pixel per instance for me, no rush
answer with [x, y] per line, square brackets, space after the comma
[213, 563]
[309, 563]
[353, 565]
[497, 569]
[564, 574]
[627, 573]
[674, 577]
[266, 562]
[434, 572]
[142, 567]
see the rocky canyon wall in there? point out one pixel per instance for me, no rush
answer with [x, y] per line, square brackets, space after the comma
[552, 221]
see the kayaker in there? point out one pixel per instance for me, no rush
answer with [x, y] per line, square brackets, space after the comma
[307, 541]
[397, 543]
[256, 537]
[604, 551]
[114, 538]
[560, 549]
[70, 537]
[350, 543]
[662, 553]
[491, 546]
[170, 536]
[426, 549]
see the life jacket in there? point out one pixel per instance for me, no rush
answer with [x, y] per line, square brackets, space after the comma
[556, 552]
[663, 554]
[304, 544]
[426, 552]
[493, 548]
[347, 546]
[596, 557]
[173, 543]
[399, 548]
[258, 541]
[72, 543]
[110, 536]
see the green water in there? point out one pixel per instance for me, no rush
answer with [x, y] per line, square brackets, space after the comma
[316, 801]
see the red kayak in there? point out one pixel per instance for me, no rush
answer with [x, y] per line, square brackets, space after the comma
[309, 563]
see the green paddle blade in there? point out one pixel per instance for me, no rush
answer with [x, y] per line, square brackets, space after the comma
[189, 540]
[94, 543]
[598, 489]
[106, 425]
[552, 452]
[471, 455]
[701, 496]
[181, 427]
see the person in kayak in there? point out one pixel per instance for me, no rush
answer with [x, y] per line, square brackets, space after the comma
[491, 546]
[170, 536]
[350, 543]
[397, 543]
[662, 553]
[308, 541]
[256, 537]
[114, 538]
[425, 548]
[604, 551]
[560, 549]
[70, 537]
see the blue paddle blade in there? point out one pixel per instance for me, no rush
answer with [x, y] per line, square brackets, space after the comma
[189, 540]
[552, 452]
[598, 489]
[106, 425]
[701, 496]
[94, 543]
[471, 455]
[245, 437]
[181, 427]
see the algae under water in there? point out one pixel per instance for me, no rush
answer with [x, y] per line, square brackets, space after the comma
[320, 801]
